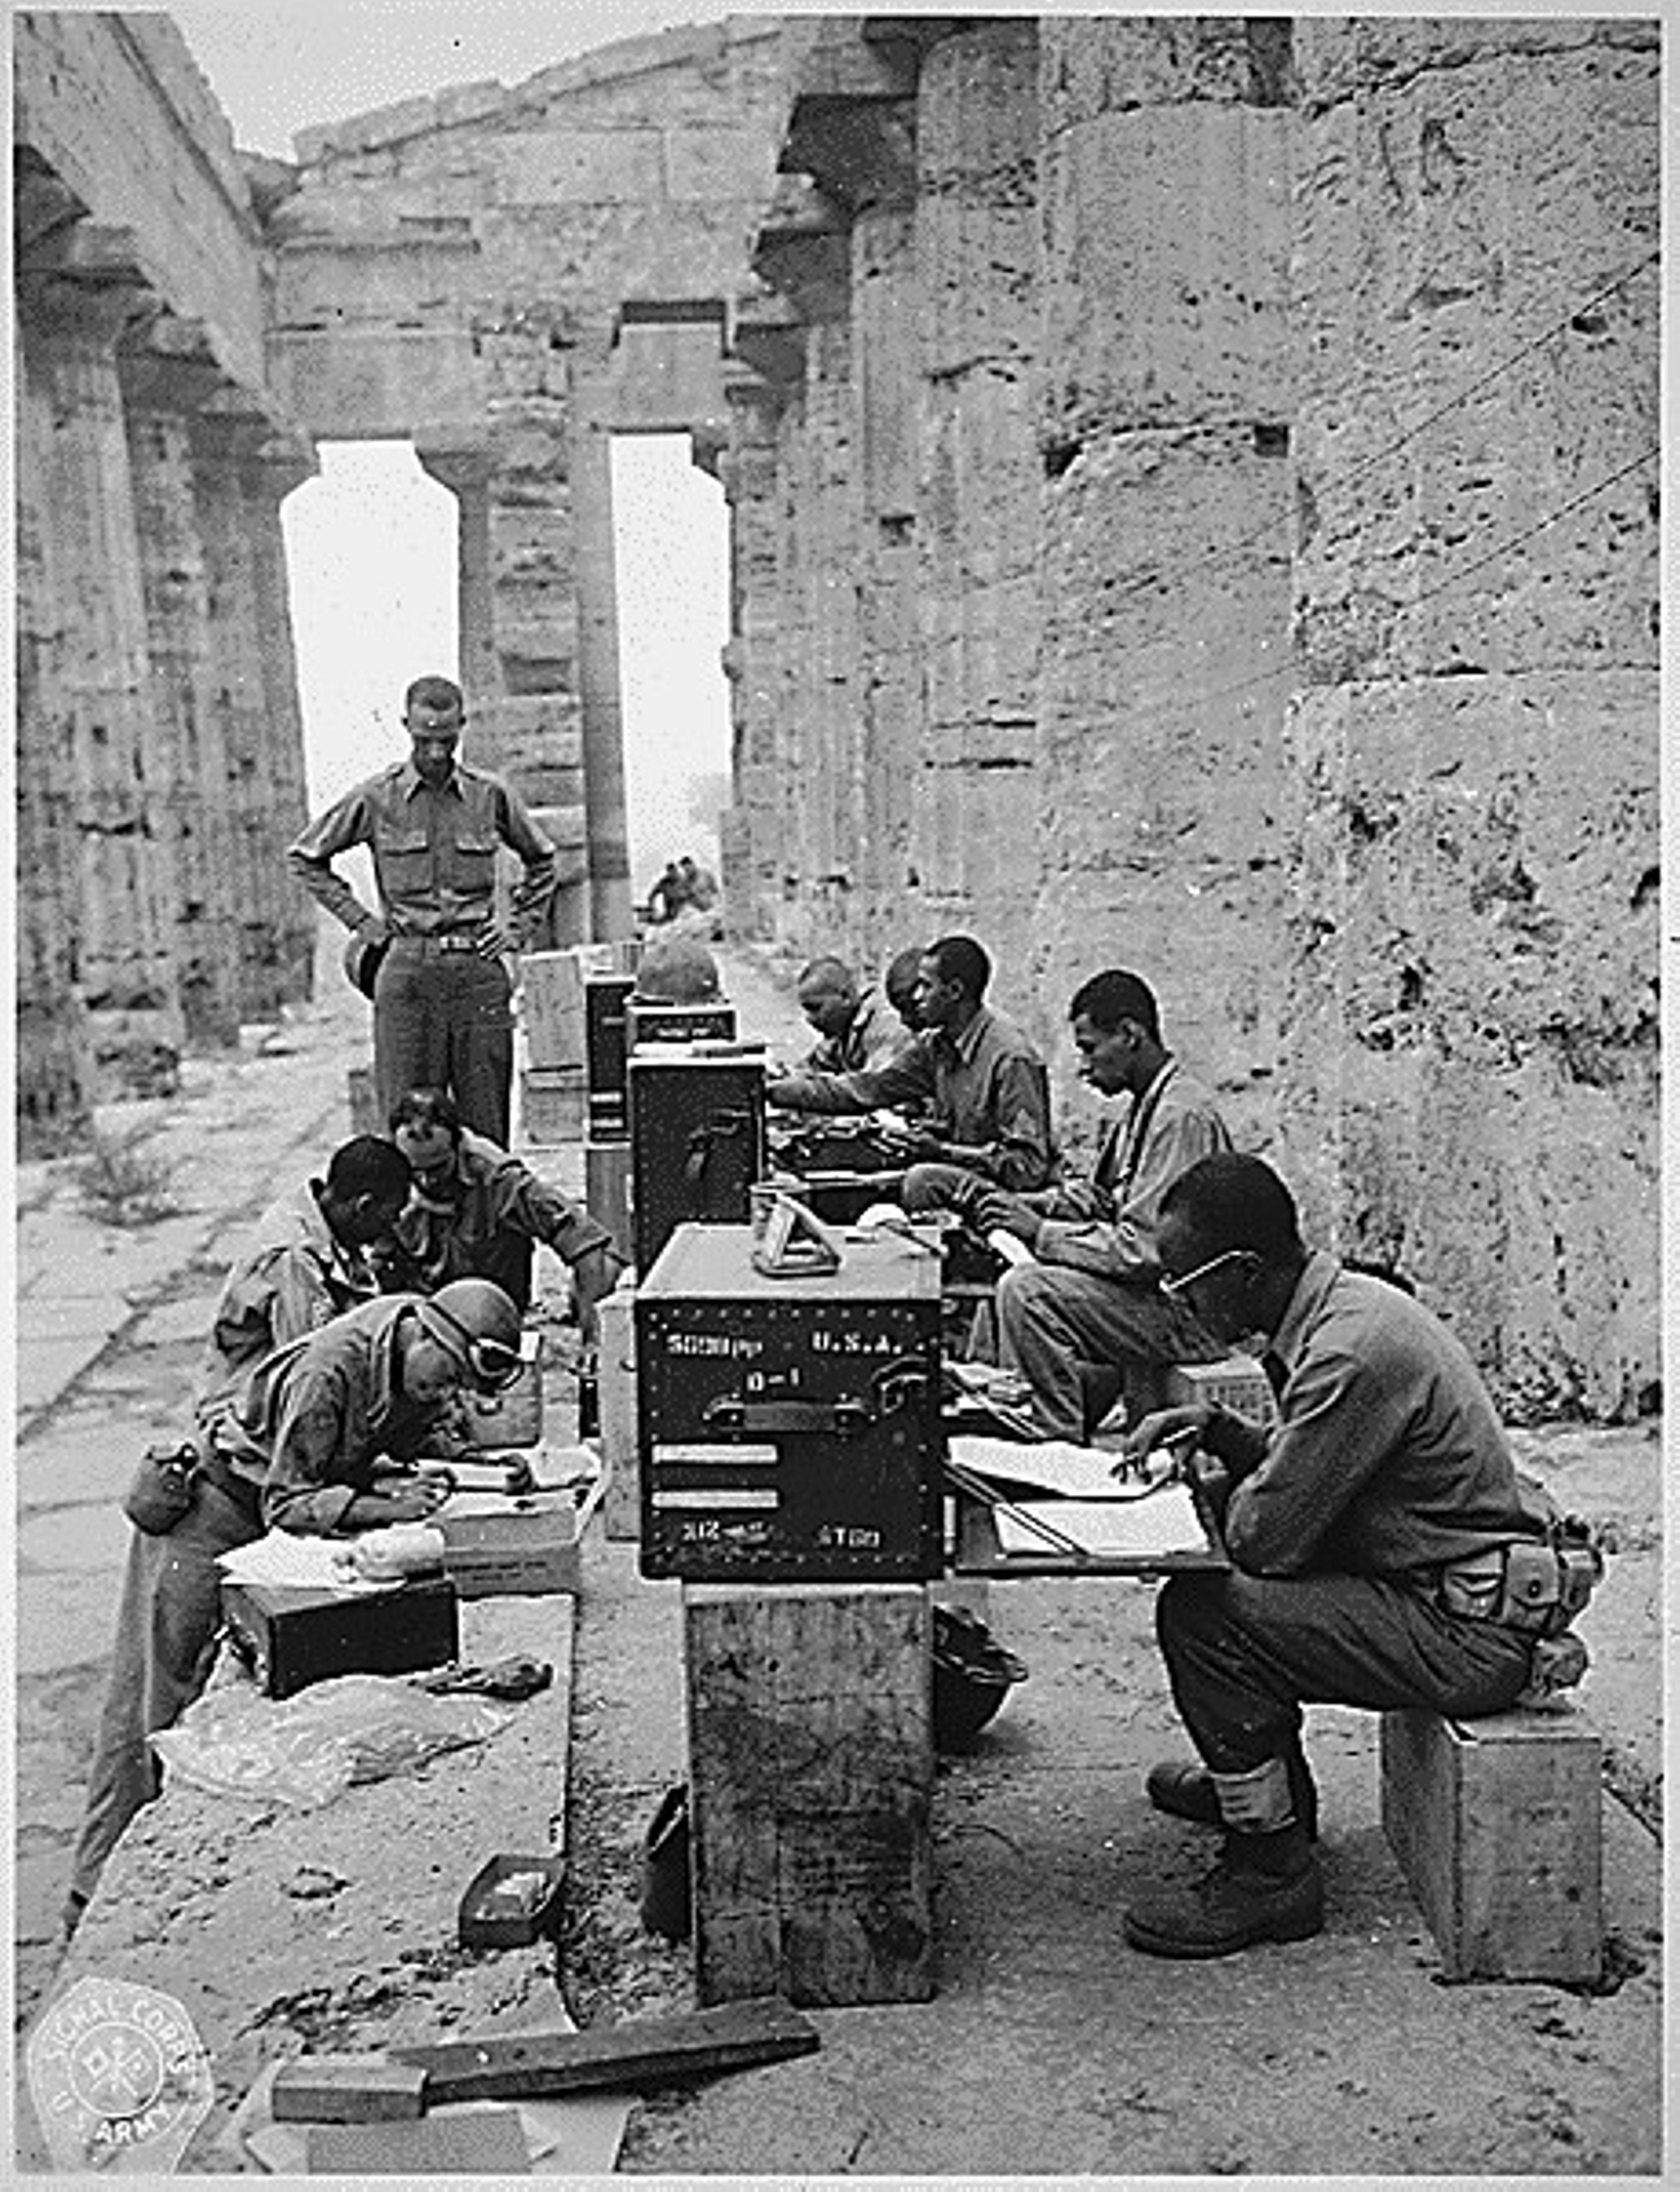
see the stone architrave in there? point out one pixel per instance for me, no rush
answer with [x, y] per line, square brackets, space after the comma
[92, 704]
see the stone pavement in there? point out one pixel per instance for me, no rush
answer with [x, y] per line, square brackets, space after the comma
[1333, 2055]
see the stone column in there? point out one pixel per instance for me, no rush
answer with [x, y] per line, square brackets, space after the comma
[280, 462]
[1472, 1068]
[263, 781]
[806, 256]
[975, 848]
[463, 465]
[609, 894]
[166, 378]
[753, 838]
[94, 705]
[55, 1081]
[1167, 502]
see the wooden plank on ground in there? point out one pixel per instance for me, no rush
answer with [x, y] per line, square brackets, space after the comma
[648, 2051]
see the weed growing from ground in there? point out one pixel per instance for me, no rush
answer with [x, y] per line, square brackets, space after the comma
[120, 1184]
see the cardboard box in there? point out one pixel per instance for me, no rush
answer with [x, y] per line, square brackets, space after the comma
[531, 1547]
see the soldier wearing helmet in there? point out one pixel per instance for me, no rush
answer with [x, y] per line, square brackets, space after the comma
[330, 1435]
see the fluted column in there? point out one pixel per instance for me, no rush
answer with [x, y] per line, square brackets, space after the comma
[94, 706]
[227, 434]
[975, 846]
[752, 836]
[55, 1081]
[1168, 502]
[610, 895]
[279, 463]
[165, 381]
[464, 467]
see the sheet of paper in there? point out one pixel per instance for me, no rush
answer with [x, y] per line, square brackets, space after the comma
[1076, 1472]
[1165, 1522]
[287, 1561]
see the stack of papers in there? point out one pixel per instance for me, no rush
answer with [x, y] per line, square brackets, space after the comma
[1071, 1492]
[285, 1562]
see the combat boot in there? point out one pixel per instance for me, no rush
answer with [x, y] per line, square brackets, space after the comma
[1265, 1887]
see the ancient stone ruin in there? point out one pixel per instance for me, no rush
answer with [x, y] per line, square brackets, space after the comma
[1192, 488]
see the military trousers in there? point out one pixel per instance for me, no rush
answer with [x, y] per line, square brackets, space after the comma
[444, 1019]
[1244, 1654]
[168, 1621]
[1062, 1329]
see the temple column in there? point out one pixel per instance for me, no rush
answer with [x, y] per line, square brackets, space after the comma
[166, 377]
[93, 705]
[611, 895]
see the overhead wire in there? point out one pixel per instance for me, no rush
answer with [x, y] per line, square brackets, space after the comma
[1336, 482]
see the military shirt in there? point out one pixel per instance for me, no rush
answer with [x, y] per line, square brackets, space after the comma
[874, 1036]
[318, 1418]
[1389, 1457]
[433, 851]
[1107, 1224]
[985, 1088]
[296, 1275]
[489, 1193]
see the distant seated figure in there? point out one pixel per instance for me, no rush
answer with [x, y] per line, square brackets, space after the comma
[983, 1083]
[678, 970]
[858, 1027]
[702, 888]
[477, 1212]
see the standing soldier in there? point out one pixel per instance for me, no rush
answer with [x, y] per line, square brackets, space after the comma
[432, 959]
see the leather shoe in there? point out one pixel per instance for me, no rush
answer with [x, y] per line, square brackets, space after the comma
[1184, 1791]
[1235, 1905]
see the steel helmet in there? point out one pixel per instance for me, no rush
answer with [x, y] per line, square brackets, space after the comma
[479, 1325]
[677, 970]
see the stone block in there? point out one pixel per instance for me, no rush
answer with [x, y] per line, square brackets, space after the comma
[602, 167]
[1166, 272]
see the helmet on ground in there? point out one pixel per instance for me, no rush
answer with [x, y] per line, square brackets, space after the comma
[677, 970]
[474, 1321]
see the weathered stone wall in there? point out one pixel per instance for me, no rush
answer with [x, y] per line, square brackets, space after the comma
[139, 306]
[1242, 344]
[1474, 749]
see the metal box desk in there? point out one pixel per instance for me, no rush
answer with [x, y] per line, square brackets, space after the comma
[790, 1428]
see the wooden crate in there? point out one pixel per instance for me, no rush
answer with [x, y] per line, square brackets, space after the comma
[1496, 1825]
[551, 1104]
[551, 987]
[607, 1189]
[621, 1509]
[811, 1781]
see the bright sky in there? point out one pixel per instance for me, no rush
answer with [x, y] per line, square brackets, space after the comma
[371, 543]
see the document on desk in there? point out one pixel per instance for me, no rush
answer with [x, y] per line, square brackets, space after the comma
[1134, 1529]
[1056, 1465]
